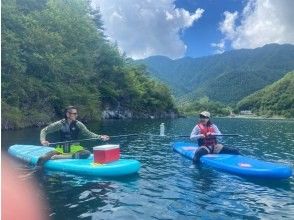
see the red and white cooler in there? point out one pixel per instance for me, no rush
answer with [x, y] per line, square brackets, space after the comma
[106, 153]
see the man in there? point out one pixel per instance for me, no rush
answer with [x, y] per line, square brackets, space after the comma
[70, 129]
[205, 133]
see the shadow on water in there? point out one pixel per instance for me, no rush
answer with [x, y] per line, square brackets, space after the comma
[124, 179]
[277, 184]
[81, 196]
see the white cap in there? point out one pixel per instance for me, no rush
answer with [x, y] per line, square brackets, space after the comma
[205, 113]
[106, 147]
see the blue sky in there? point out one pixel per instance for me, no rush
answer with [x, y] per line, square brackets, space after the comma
[195, 28]
[199, 37]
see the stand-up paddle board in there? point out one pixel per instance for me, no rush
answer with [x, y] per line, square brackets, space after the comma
[31, 154]
[236, 164]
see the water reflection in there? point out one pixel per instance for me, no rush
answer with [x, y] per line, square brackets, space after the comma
[168, 185]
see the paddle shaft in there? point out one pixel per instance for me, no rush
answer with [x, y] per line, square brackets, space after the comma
[89, 139]
[188, 136]
[126, 135]
[216, 135]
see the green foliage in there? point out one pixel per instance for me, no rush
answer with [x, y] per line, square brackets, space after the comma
[11, 117]
[204, 104]
[275, 99]
[54, 54]
[227, 77]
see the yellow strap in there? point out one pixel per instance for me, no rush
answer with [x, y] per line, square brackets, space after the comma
[93, 164]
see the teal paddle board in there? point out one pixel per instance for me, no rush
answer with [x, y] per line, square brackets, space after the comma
[31, 154]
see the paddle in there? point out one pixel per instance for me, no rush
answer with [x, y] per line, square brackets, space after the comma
[188, 136]
[136, 134]
[88, 139]
[216, 135]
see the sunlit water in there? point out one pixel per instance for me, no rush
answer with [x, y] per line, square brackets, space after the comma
[168, 186]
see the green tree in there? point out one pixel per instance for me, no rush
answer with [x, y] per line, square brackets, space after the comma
[54, 53]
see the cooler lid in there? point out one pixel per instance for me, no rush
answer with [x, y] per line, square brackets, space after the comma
[106, 147]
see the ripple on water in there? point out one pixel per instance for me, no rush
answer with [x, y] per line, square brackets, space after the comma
[168, 186]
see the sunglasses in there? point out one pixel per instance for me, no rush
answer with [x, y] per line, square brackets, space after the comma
[203, 117]
[73, 113]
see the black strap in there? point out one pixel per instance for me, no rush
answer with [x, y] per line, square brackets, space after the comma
[211, 148]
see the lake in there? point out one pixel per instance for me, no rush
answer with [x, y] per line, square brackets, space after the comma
[168, 186]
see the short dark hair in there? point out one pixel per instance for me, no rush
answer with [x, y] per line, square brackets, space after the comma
[68, 108]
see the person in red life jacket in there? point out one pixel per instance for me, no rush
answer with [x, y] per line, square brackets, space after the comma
[205, 134]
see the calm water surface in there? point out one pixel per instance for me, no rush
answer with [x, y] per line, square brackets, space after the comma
[168, 186]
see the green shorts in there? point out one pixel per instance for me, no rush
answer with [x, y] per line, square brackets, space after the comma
[73, 149]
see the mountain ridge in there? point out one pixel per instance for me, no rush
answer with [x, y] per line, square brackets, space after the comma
[191, 78]
[274, 99]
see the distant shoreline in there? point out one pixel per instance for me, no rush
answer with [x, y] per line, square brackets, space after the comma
[257, 117]
[253, 116]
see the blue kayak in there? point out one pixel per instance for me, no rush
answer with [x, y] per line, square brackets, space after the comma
[31, 153]
[236, 164]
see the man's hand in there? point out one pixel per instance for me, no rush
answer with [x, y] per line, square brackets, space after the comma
[104, 137]
[45, 143]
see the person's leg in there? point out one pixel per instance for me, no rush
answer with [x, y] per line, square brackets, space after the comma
[229, 150]
[216, 149]
[199, 153]
[82, 154]
[42, 160]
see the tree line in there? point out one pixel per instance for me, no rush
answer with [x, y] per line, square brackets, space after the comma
[55, 53]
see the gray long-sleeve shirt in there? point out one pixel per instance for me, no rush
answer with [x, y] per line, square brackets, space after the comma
[56, 126]
[195, 134]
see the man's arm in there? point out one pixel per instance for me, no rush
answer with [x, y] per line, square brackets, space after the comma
[85, 132]
[49, 129]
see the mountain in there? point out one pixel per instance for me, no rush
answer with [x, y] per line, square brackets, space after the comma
[226, 77]
[275, 99]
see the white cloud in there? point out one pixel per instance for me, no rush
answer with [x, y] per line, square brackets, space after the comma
[220, 47]
[147, 27]
[261, 22]
[227, 27]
